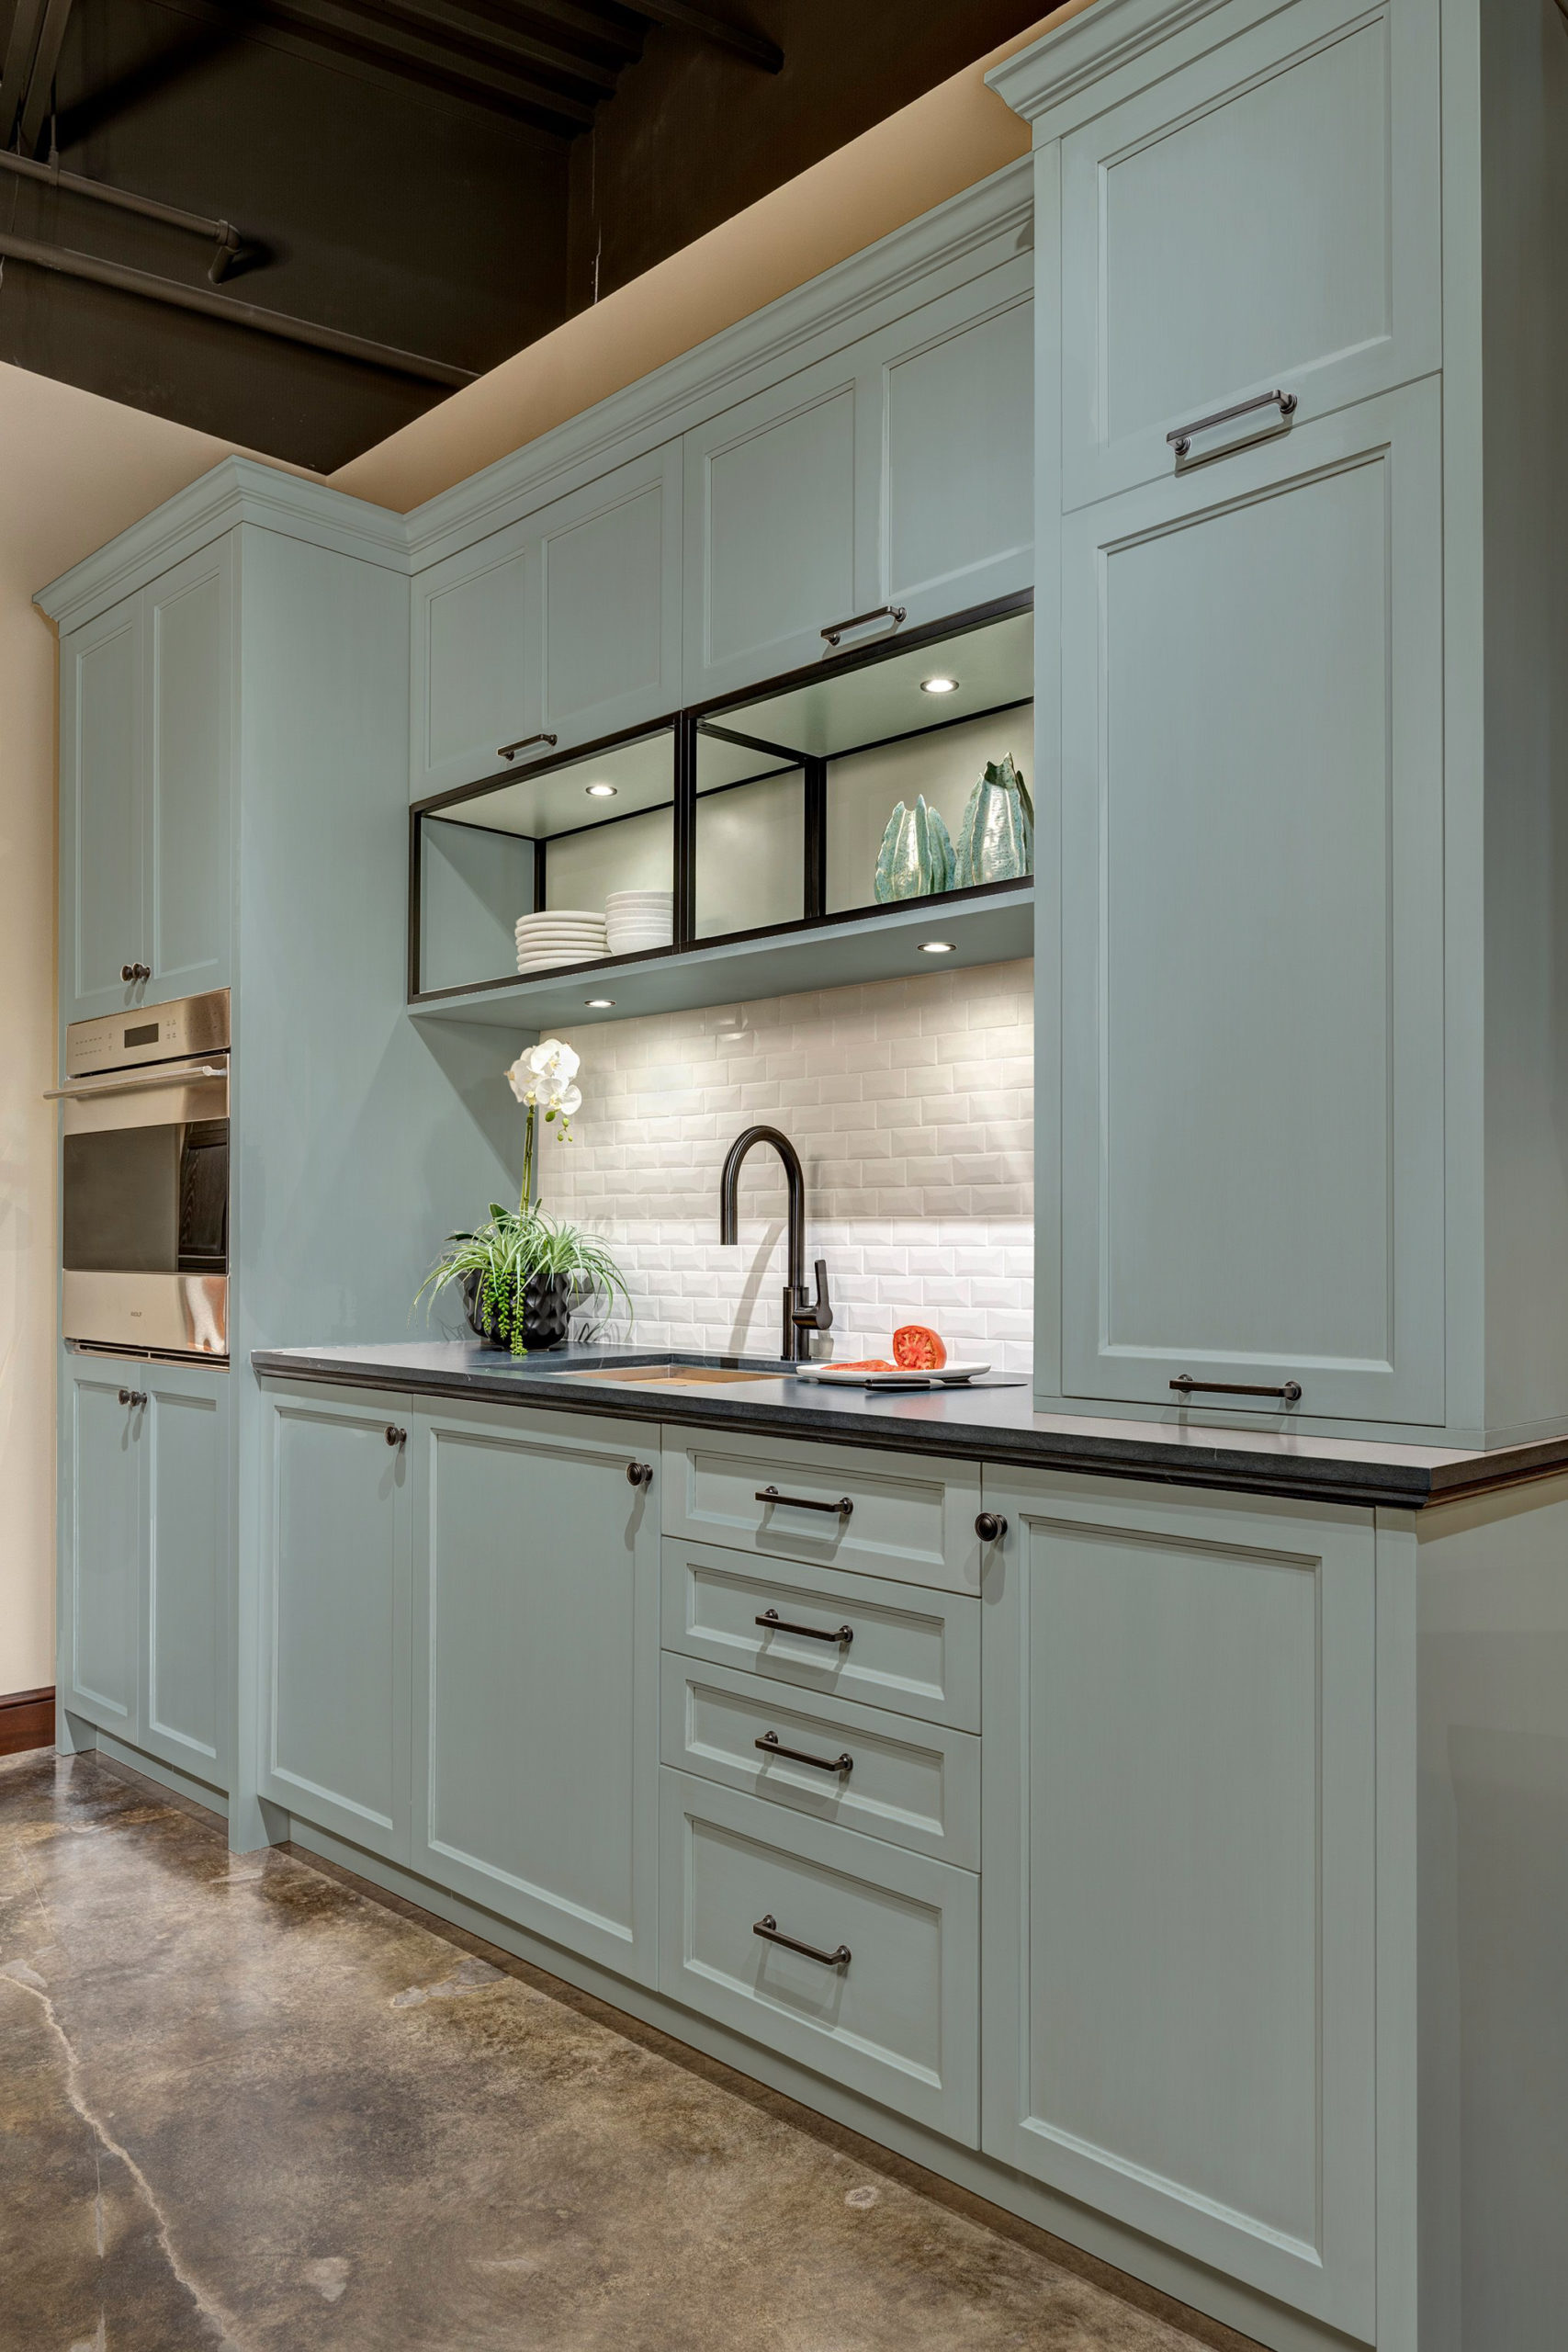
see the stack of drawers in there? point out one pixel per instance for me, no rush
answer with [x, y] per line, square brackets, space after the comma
[819, 1827]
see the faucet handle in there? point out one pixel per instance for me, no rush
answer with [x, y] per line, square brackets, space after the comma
[818, 1317]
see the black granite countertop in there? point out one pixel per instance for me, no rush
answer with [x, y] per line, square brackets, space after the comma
[990, 1421]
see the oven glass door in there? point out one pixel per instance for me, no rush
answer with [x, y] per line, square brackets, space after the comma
[147, 1200]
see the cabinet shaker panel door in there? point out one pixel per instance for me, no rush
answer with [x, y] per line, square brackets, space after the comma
[1267, 216]
[1178, 1809]
[611, 557]
[188, 718]
[475, 678]
[185, 1624]
[101, 1497]
[101, 810]
[1252, 926]
[335, 1631]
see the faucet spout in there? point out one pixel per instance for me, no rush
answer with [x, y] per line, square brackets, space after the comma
[800, 1317]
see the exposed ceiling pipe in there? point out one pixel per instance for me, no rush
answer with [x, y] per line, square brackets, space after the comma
[67, 263]
[21, 44]
[221, 234]
[40, 81]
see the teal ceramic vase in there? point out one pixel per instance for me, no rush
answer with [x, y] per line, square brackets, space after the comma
[915, 856]
[996, 838]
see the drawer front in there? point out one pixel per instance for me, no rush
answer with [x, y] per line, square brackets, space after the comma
[910, 1785]
[909, 1520]
[916, 1653]
[1265, 215]
[897, 2019]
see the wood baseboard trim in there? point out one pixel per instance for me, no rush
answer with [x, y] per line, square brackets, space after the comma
[26, 1720]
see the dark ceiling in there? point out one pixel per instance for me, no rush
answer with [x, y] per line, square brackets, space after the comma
[343, 209]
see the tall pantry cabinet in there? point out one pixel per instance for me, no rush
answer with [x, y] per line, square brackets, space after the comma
[1300, 499]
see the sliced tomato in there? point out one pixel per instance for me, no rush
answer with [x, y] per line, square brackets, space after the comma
[866, 1364]
[918, 1349]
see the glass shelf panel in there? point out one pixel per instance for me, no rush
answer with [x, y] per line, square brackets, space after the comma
[943, 764]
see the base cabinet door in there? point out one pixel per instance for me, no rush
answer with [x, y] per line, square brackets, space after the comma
[185, 1624]
[1252, 927]
[535, 1657]
[1177, 1817]
[101, 1526]
[335, 1615]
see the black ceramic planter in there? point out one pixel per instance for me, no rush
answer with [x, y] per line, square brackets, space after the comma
[547, 1313]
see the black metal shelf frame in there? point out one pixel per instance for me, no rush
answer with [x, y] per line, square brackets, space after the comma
[687, 727]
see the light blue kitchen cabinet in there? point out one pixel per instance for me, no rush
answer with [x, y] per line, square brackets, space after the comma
[1252, 925]
[565, 622]
[101, 1541]
[895, 472]
[334, 1642]
[144, 1555]
[146, 714]
[102, 928]
[1179, 1808]
[1258, 213]
[184, 1614]
[189, 720]
[535, 1672]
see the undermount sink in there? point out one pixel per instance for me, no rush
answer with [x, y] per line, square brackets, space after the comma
[685, 1376]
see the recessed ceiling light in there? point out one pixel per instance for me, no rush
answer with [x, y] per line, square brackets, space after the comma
[939, 686]
[603, 791]
[936, 946]
[599, 1003]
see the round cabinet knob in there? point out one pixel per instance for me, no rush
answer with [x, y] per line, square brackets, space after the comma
[639, 1473]
[133, 1397]
[990, 1527]
[396, 1436]
[128, 971]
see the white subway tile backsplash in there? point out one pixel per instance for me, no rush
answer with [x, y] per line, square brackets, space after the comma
[910, 1104]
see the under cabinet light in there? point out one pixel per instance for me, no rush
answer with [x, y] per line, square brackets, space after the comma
[599, 1003]
[603, 791]
[936, 946]
[939, 686]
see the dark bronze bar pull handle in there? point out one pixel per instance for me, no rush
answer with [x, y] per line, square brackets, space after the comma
[524, 743]
[773, 1623]
[1182, 439]
[894, 613]
[768, 1744]
[767, 1927]
[1290, 1392]
[639, 1473]
[841, 1509]
[395, 1436]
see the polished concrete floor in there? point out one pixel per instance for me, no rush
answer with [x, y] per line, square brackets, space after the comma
[243, 2105]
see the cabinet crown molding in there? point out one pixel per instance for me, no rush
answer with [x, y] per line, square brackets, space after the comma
[237, 490]
[1111, 34]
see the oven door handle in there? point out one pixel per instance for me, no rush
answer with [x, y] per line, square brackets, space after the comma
[161, 1074]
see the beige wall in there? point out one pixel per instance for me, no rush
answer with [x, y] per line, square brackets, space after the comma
[958, 133]
[74, 471]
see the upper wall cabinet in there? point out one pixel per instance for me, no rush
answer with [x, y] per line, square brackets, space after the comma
[565, 624]
[896, 472]
[1263, 215]
[146, 713]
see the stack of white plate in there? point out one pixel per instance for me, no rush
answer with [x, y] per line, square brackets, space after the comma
[636, 920]
[558, 935]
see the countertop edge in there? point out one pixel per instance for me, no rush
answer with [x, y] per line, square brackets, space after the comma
[1391, 1486]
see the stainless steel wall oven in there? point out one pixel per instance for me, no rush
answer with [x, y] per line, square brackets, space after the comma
[145, 1222]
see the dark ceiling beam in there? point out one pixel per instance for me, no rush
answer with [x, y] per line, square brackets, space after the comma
[487, 80]
[685, 18]
[494, 34]
[67, 263]
[21, 42]
[40, 82]
[614, 28]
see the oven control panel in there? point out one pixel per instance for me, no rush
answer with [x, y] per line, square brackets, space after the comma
[154, 1033]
